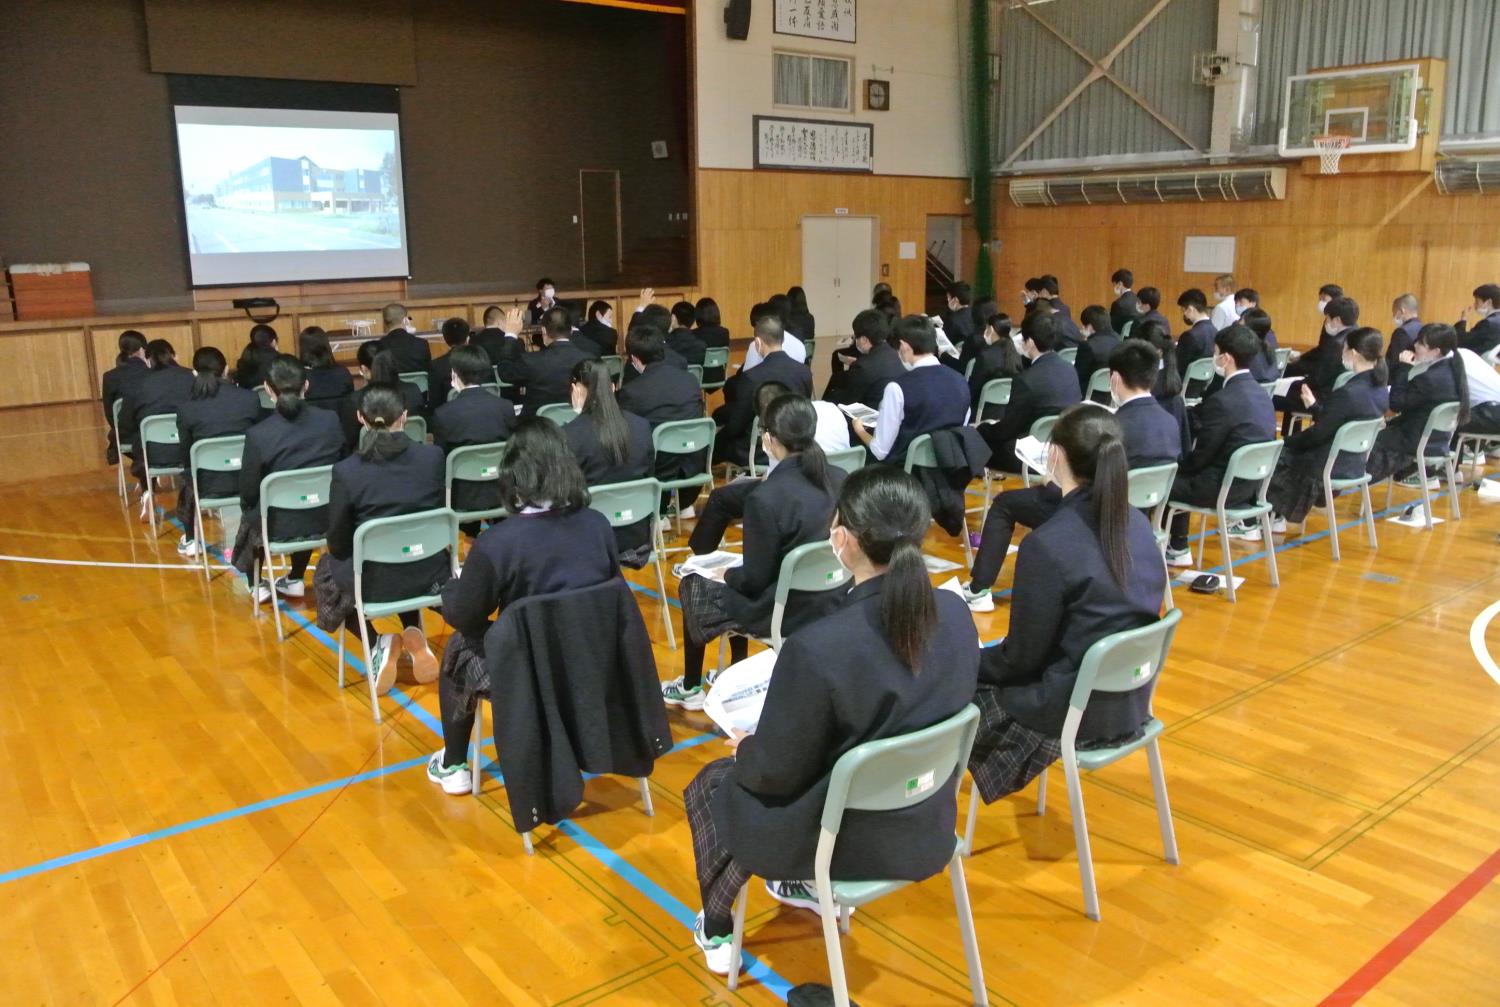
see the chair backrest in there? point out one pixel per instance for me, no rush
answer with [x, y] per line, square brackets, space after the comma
[996, 392]
[625, 504]
[1253, 462]
[1283, 357]
[1041, 428]
[296, 489]
[416, 429]
[499, 382]
[969, 368]
[1201, 369]
[1342, 379]
[159, 430]
[418, 378]
[266, 402]
[1120, 662]
[920, 454]
[1149, 487]
[1269, 386]
[114, 412]
[1356, 437]
[1099, 384]
[684, 437]
[1069, 353]
[716, 356]
[696, 371]
[850, 459]
[477, 463]
[558, 412]
[614, 365]
[1125, 329]
[754, 452]
[217, 454]
[809, 567]
[898, 772]
[405, 538]
[1442, 420]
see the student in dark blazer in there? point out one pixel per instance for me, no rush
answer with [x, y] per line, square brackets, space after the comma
[997, 358]
[379, 368]
[791, 507]
[547, 375]
[329, 382]
[1126, 307]
[1068, 333]
[215, 408]
[1151, 437]
[661, 394]
[256, 358]
[130, 367]
[1149, 299]
[927, 398]
[1264, 367]
[544, 301]
[1045, 388]
[552, 542]
[499, 338]
[681, 336]
[440, 371]
[389, 476]
[1197, 341]
[1168, 387]
[1484, 334]
[1240, 413]
[1091, 570]
[738, 412]
[294, 436]
[958, 322]
[473, 416]
[1099, 341]
[410, 350]
[895, 658]
[599, 329]
[1297, 486]
[611, 446]
[164, 387]
[1320, 366]
[876, 364]
[710, 331]
[1415, 393]
[799, 318]
[1406, 315]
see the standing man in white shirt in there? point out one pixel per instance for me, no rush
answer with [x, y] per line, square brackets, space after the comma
[1225, 312]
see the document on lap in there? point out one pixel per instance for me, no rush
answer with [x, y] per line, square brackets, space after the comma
[863, 413]
[738, 694]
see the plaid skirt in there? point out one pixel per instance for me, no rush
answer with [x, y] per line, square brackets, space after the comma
[704, 614]
[335, 605]
[465, 670]
[1007, 754]
[720, 877]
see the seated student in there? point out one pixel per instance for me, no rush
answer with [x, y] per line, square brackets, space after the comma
[499, 339]
[1406, 316]
[215, 408]
[1240, 413]
[1168, 387]
[710, 333]
[130, 366]
[552, 542]
[874, 364]
[292, 437]
[1150, 302]
[1484, 334]
[1099, 341]
[1415, 393]
[440, 371]
[681, 336]
[1320, 366]
[981, 311]
[1045, 388]
[410, 350]
[1126, 307]
[599, 329]
[1245, 299]
[1226, 310]
[547, 375]
[895, 658]
[389, 476]
[790, 345]
[544, 301]
[1198, 341]
[790, 507]
[610, 444]
[998, 358]
[256, 358]
[737, 413]
[661, 394]
[472, 416]
[1151, 437]
[798, 318]
[379, 369]
[928, 397]
[958, 320]
[1091, 570]
[1068, 333]
[165, 386]
[329, 382]
[1264, 366]
[1484, 395]
[1297, 486]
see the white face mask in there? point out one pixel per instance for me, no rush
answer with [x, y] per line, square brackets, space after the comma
[765, 445]
[833, 544]
[1020, 342]
[608, 318]
[1218, 368]
[1328, 328]
[1321, 305]
[549, 293]
[409, 327]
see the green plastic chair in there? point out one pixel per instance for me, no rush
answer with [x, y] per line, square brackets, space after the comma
[685, 437]
[1283, 357]
[697, 372]
[1120, 662]
[216, 454]
[418, 378]
[160, 430]
[810, 567]
[416, 428]
[1069, 353]
[716, 358]
[490, 386]
[1441, 422]
[851, 460]
[403, 539]
[1357, 437]
[294, 489]
[1199, 372]
[1041, 429]
[1099, 390]
[996, 392]
[1125, 329]
[1269, 386]
[628, 503]
[1148, 490]
[884, 775]
[476, 463]
[1252, 462]
[920, 455]
[561, 413]
[615, 366]
[124, 449]
[499, 382]
[1342, 379]
[969, 368]
[266, 401]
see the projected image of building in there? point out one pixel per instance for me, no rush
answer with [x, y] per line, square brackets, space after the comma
[285, 184]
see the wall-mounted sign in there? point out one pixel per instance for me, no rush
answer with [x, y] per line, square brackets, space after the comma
[826, 19]
[814, 144]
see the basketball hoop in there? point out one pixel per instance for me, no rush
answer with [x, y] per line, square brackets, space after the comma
[1330, 149]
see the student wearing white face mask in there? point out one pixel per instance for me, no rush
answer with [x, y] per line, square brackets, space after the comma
[410, 350]
[1320, 366]
[1483, 335]
[544, 301]
[926, 398]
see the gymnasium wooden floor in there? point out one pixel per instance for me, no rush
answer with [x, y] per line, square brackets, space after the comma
[198, 816]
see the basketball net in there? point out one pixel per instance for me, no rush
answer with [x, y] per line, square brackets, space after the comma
[1330, 149]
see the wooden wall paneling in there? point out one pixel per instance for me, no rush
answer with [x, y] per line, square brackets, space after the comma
[104, 346]
[41, 441]
[44, 367]
[231, 334]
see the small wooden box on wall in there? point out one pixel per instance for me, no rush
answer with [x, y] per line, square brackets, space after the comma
[52, 290]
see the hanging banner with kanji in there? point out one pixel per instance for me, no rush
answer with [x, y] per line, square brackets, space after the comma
[814, 144]
[827, 19]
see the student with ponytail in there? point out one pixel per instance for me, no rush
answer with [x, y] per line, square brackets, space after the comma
[612, 446]
[379, 369]
[254, 365]
[294, 436]
[1092, 569]
[164, 386]
[791, 507]
[130, 367]
[390, 475]
[215, 408]
[895, 658]
[328, 381]
[1438, 376]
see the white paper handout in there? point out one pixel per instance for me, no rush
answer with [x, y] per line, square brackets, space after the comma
[711, 561]
[861, 412]
[945, 345]
[738, 694]
[1033, 454]
[1284, 385]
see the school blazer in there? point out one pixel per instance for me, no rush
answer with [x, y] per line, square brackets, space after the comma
[115, 383]
[1195, 344]
[411, 351]
[348, 411]
[1319, 366]
[439, 381]
[1124, 309]
[277, 444]
[1240, 413]
[1092, 355]
[547, 374]
[1413, 399]
[160, 390]
[603, 336]
[328, 386]
[599, 469]
[364, 490]
[1151, 434]
[1483, 336]
[474, 416]
[498, 345]
[1151, 316]
[864, 382]
[1045, 388]
[229, 411]
[739, 408]
[1068, 331]
[661, 394]
[687, 345]
[1361, 398]
[837, 684]
[1403, 338]
[1066, 600]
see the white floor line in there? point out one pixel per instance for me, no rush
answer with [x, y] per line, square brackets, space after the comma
[1476, 640]
[191, 568]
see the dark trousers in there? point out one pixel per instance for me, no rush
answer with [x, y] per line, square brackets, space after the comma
[1002, 452]
[1483, 419]
[1198, 491]
[725, 506]
[1029, 507]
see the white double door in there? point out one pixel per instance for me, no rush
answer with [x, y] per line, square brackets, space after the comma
[838, 272]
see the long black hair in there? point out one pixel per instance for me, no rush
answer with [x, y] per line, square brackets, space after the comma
[886, 511]
[793, 421]
[287, 376]
[1443, 338]
[1258, 322]
[315, 348]
[1093, 443]
[384, 371]
[160, 354]
[380, 408]
[1368, 343]
[259, 352]
[1170, 379]
[1010, 357]
[601, 409]
[131, 343]
[538, 468]
[208, 367]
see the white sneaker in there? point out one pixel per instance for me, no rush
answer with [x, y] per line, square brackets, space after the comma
[718, 952]
[673, 694]
[797, 894]
[979, 601]
[145, 507]
[384, 656]
[1245, 531]
[424, 663]
[1179, 557]
[1278, 526]
[686, 514]
[262, 593]
[187, 548]
[453, 779]
[288, 588]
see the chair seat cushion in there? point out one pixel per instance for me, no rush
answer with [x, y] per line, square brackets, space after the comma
[1233, 513]
[1348, 484]
[376, 609]
[1096, 758]
[857, 893]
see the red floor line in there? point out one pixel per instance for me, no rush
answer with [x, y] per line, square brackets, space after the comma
[1403, 944]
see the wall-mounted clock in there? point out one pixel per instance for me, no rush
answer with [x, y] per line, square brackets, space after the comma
[877, 95]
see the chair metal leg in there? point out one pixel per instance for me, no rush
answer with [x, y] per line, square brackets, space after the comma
[646, 796]
[1265, 532]
[526, 844]
[723, 640]
[254, 590]
[120, 474]
[974, 801]
[1333, 521]
[845, 914]
[1369, 513]
[1202, 538]
[364, 638]
[276, 601]
[1426, 493]
[1453, 509]
[738, 944]
[829, 914]
[1163, 807]
[198, 532]
[1081, 839]
[343, 633]
[965, 914]
[151, 504]
[476, 742]
[968, 547]
[666, 608]
[1041, 792]
[1229, 556]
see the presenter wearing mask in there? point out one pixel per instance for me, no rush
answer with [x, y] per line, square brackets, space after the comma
[546, 299]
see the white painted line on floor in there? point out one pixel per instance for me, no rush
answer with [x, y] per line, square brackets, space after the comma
[1476, 640]
[94, 562]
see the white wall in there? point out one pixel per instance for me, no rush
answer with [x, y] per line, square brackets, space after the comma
[915, 44]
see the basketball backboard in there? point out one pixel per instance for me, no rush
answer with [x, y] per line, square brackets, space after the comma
[1374, 107]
